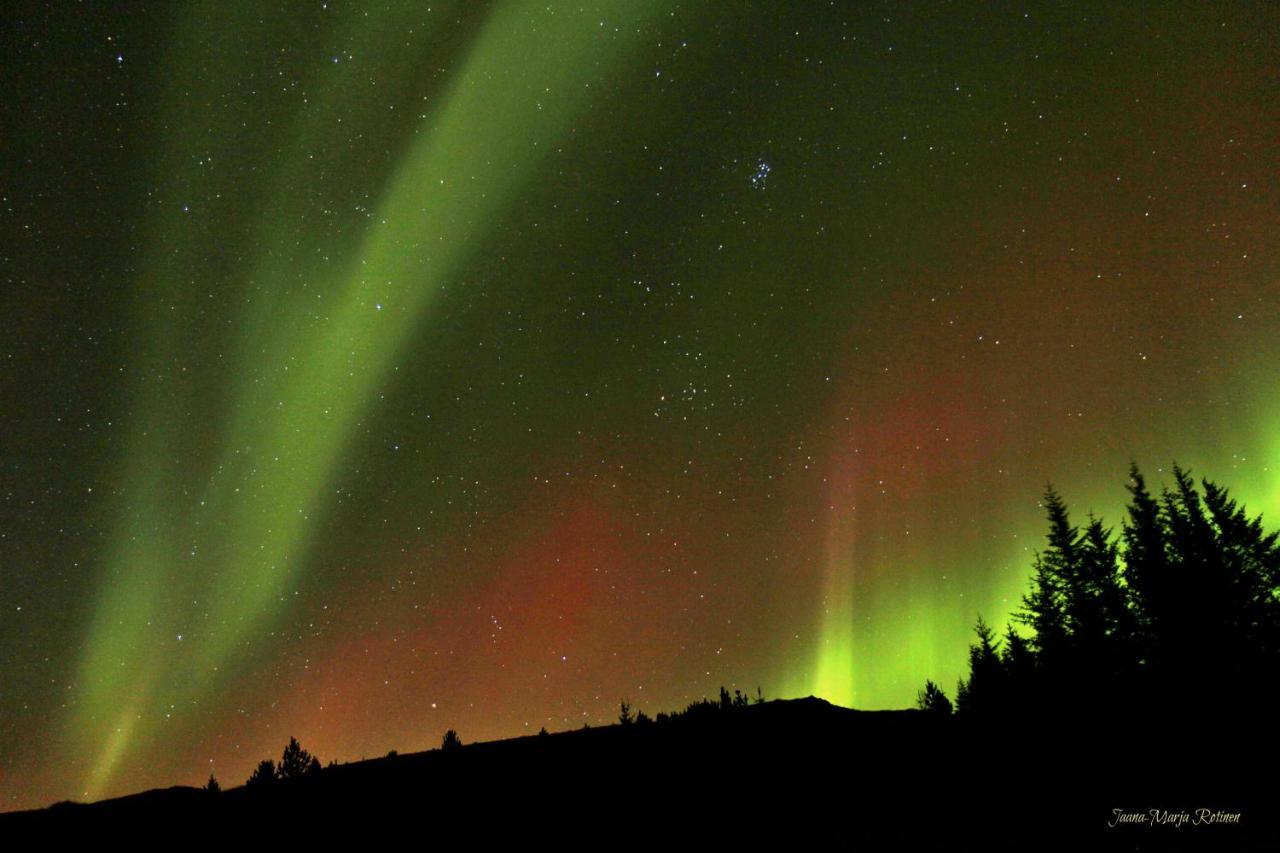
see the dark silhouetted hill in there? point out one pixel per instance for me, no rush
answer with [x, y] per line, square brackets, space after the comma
[792, 773]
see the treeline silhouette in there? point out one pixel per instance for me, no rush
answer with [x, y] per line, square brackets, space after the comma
[296, 762]
[1177, 613]
[703, 709]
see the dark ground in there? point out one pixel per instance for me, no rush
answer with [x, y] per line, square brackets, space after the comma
[799, 774]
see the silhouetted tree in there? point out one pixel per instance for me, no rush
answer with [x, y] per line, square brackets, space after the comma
[703, 709]
[1252, 561]
[625, 717]
[933, 700]
[296, 761]
[212, 785]
[1102, 614]
[1193, 587]
[1043, 609]
[1218, 626]
[1083, 639]
[1146, 569]
[985, 689]
[263, 774]
[1100, 648]
[451, 741]
[1021, 673]
[1183, 608]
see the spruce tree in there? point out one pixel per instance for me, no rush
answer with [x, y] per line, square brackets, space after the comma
[1021, 672]
[933, 700]
[263, 774]
[1248, 561]
[296, 761]
[1183, 610]
[1146, 574]
[1193, 630]
[1253, 560]
[1056, 579]
[1100, 616]
[985, 691]
[1042, 612]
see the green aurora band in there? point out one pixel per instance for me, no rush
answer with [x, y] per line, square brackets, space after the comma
[328, 350]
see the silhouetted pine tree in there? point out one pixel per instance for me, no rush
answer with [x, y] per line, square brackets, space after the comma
[1099, 620]
[1044, 608]
[1252, 558]
[1080, 614]
[1146, 573]
[1025, 689]
[1190, 535]
[296, 761]
[263, 774]
[1221, 631]
[1184, 609]
[985, 690]
[933, 700]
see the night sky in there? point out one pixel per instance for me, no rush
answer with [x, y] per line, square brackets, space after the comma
[370, 370]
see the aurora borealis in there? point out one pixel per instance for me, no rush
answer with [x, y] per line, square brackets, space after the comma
[371, 370]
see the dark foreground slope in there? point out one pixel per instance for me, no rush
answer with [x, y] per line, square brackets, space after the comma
[796, 772]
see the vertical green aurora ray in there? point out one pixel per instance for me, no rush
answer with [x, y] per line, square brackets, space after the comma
[833, 667]
[133, 623]
[244, 540]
